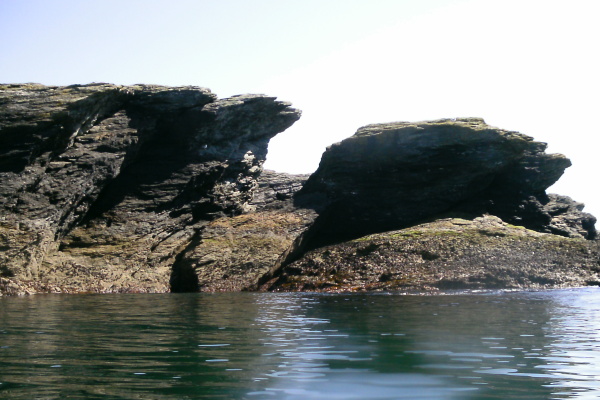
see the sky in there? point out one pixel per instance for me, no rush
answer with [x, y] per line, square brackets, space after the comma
[526, 65]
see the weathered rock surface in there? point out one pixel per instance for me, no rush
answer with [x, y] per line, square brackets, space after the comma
[241, 252]
[449, 253]
[277, 189]
[107, 188]
[391, 176]
[103, 186]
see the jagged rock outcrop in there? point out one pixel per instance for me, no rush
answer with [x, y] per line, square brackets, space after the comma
[419, 177]
[397, 177]
[391, 176]
[103, 186]
[567, 217]
[107, 188]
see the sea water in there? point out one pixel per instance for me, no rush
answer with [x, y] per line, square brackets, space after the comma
[487, 345]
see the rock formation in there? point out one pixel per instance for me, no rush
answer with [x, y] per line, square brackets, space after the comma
[391, 176]
[418, 178]
[107, 188]
[103, 186]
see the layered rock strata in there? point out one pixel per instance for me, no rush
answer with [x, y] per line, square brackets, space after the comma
[104, 186]
[107, 188]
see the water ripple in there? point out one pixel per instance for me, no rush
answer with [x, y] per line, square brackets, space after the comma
[302, 346]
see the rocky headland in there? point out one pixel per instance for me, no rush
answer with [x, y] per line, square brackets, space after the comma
[107, 188]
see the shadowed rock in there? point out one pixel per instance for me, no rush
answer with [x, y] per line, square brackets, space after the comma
[102, 186]
[390, 176]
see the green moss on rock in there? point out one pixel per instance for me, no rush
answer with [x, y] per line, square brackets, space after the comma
[447, 254]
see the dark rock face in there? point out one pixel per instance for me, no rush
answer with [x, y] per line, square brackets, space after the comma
[391, 176]
[567, 217]
[102, 186]
[107, 188]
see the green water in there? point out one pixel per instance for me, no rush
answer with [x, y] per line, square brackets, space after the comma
[517, 345]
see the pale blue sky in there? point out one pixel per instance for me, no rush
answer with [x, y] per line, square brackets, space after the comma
[226, 45]
[525, 65]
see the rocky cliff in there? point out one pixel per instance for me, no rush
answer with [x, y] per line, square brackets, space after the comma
[107, 188]
[103, 186]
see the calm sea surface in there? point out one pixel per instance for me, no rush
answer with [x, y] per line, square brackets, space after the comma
[501, 345]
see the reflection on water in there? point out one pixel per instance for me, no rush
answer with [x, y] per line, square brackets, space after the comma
[518, 345]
